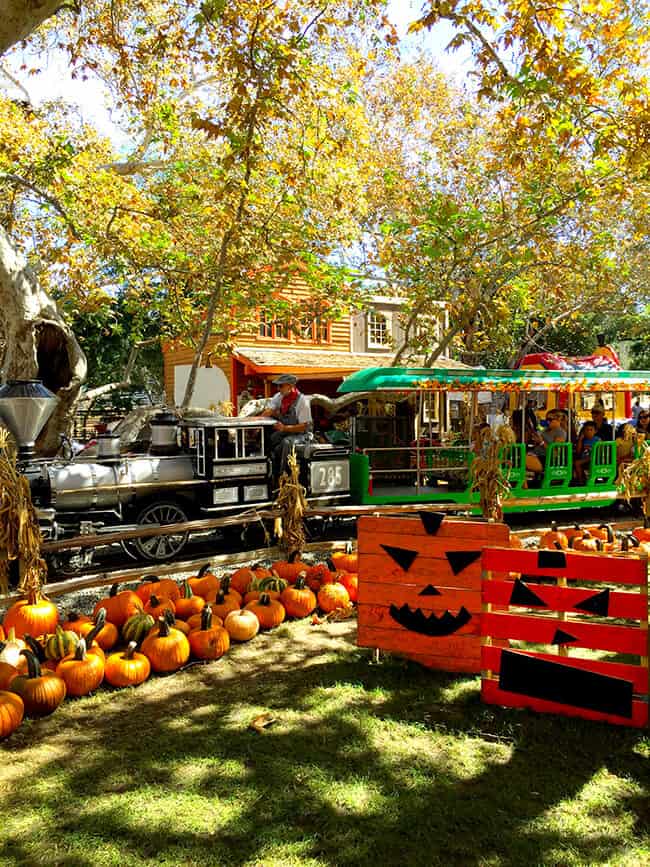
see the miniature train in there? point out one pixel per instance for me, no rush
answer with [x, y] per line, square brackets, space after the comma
[197, 468]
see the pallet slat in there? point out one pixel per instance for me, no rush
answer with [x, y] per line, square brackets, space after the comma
[632, 606]
[587, 567]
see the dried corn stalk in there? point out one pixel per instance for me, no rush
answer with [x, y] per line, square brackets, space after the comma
[487, 471]
[292, 503]
[635, 479]
[20, 536]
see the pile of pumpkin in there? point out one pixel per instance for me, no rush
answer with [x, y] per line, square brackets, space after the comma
[596, 539]
[159, 625]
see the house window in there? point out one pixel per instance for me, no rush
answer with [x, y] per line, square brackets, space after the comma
[322, 330]
[306, 328]
[270, 329]
[378, 334]
[266, 326]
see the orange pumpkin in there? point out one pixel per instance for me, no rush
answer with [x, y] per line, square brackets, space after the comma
[204, 582]
[515, 541]
[41, 691]
[34, 615]
[224, 603]
[586, 542]
[346, 561]
[182, 625]
[194, 621]
[188, 603]
[554, 538]
[269, 612]
[104, 633]
[119, 606]
[82, 672]
[166, 650]
[211, 640]
[333, 596]
[290, 569]
[241, 580]
[2, 633]
[298, 600]
[127, 668]
[163, 588]
[573, 532]
[12, 710]
[7, 674]
[252, 595]
[76, 622]
[350, 580]
[157, 607]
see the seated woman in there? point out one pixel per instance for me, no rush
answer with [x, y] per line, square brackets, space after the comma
[643, 423]
[531, 439]
[586, 441]
[625, 442]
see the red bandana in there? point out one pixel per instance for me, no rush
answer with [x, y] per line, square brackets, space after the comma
[288, 400]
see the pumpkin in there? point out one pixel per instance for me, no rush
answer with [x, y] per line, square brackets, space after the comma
[290, 568]
[242, 625]
[333, 596]
[241, 580]
[350, 580]
[127, 668]
[298, 600]
[318, 575]
[605, 533]
[35, 615]
[573, 532]
[60, 644]
[167, 649]
[92, 637]
[272, 583]
[261, 571]
[164, 588]
[106, 634]
[225, 602]
[642, 533]
[194, 621]
[11, 647]
[554, 537]
[138, 627]
[181, 625]
[188, 604]
[41, 691]
[157, 607]
[12, 711]
[82, 672]
[7, 674]
[252, 595]
[346, 561]
[269, 612]
[39, 652]
[586, 542]
[76, 623]
[204, 583]
[2, 633]
[515, 542]
[210, 641]
[119, 606]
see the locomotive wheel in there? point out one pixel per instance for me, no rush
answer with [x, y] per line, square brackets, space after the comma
[159, 548]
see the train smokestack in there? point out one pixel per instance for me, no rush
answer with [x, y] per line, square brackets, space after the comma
[25, 407]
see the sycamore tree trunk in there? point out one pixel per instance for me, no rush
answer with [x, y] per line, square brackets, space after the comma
[18, 18]
[38, 343]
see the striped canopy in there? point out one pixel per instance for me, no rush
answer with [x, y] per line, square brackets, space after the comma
[445, 379]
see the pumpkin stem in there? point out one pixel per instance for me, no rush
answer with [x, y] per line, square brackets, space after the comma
[293, 556]
[33, 665]
[206, 618]
[35, 647]
[300, 582]
[330, 564]
[221, 598]
[203, 570]
[557, 545]
[163, 629]
[112, 593]
[633, 541]
[553, 526]
[33, 595]
[80, 652]
[128, 653]
[224, 586]
[186, 590]
[94, 632]
[100, 618]
[610, 532]
[150, 579]
[169, 616]
[264, 599]
[154, 601]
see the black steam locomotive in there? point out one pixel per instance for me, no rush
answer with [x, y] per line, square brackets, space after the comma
[197, 468]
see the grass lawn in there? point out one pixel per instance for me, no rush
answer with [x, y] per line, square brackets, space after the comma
[366, 764]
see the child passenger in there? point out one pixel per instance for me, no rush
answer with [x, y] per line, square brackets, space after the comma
[586, 441]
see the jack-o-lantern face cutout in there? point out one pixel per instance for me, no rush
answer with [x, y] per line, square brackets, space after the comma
[433, 625]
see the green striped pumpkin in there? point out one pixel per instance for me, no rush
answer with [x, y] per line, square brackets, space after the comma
[61, 643]
[272, 582]
[138, 627]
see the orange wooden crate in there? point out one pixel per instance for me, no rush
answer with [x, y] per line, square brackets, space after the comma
[604, 609]
[420, 587]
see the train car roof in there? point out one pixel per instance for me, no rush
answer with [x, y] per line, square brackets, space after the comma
[229, 421]
[481, 379]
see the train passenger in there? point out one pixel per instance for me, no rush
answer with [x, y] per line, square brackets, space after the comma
[643, 423]
[294, 422]
[552, 433]
[603, 427]
[531, 439]
[586, 441]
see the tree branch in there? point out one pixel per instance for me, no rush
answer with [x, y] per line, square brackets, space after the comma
[46, 197]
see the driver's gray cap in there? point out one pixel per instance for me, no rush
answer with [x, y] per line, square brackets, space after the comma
[285, 379]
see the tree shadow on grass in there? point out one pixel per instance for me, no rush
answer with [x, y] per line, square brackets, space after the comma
[388, 763]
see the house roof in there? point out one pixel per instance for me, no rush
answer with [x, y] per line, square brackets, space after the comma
[323, 364]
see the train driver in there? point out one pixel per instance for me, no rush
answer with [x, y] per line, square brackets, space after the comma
[294, 421]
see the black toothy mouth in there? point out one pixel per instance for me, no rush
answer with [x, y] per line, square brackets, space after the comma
[431, 625]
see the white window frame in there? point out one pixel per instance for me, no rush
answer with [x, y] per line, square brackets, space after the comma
[374, 330]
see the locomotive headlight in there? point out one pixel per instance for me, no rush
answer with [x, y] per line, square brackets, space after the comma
[329, 476]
